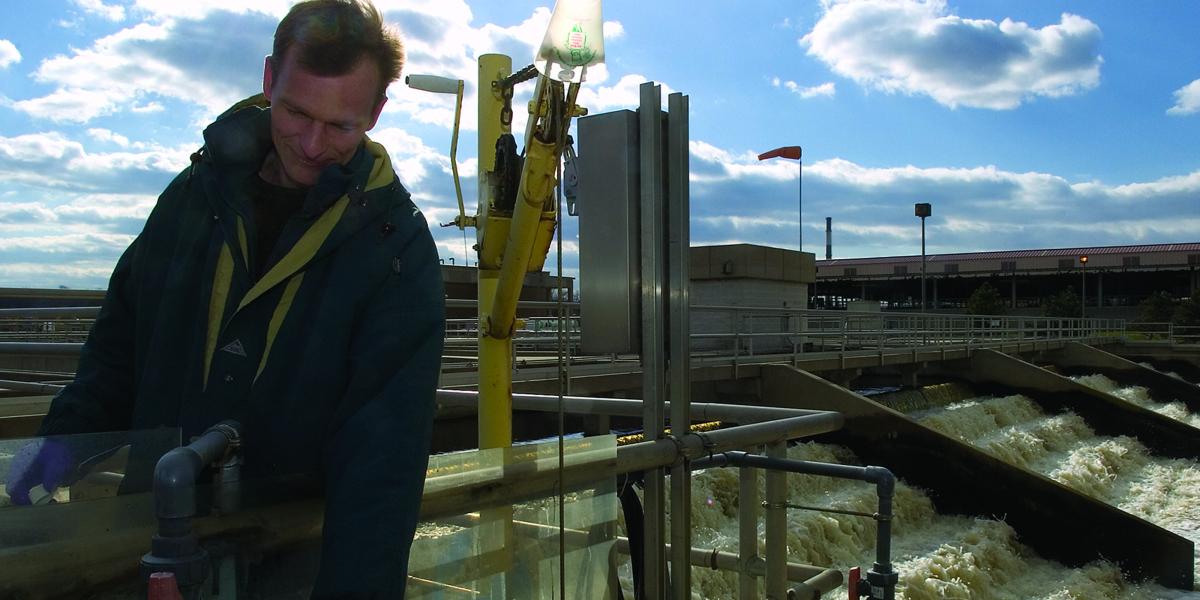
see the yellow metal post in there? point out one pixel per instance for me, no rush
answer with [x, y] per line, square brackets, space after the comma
[506, 242]
[495, 373]
[495, 355]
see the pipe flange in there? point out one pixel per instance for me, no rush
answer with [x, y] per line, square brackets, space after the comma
[231, 430]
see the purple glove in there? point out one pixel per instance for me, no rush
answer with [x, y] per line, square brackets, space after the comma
[44, 462]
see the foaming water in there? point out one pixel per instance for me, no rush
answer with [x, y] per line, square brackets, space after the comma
[1136, 394]
[1167, 373]
[1116, 470]
[937, 556]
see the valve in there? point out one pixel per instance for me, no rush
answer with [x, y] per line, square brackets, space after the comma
[879, 586]
[162, 586]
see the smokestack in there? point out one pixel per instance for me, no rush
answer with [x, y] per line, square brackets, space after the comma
[828, 238]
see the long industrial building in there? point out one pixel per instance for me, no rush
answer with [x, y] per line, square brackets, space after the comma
[1114, 278]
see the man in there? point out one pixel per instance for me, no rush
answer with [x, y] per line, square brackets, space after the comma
[285, 280]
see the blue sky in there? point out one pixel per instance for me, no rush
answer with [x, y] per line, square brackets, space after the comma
[1026, 124]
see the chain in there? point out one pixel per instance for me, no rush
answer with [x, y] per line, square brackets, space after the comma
[506, 113]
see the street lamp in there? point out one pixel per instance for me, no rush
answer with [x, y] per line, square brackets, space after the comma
[792, 152]
[923, 209]
[1083, 286]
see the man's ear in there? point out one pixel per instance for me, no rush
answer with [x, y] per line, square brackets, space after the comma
[378, 111]
[268, 78]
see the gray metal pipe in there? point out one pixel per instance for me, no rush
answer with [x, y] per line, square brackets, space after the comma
[463, 492]
[30, 386]
[466, 303]
[621, 407]
[59, 312]
[816, 586]
[175, 548]
[176, 472]
[747, 532]
[43, 348]
[806, 577]
[809, 576]
[776, 525]
[881, 574]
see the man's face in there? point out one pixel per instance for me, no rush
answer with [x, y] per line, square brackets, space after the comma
[317, 121]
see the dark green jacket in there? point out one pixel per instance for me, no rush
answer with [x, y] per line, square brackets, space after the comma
[330, 359]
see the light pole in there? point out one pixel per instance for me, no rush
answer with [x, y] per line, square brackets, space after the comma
[923, 209]
[1083, 286]
[792, 152]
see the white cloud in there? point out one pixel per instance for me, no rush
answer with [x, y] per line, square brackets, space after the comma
[98, 7]
[70, 243]
[1180, 184]
[29, 148]
[135, 69]
[625, 93]
[109, 136]
[825, 90]
[25, 212]
[1187, 100]
[71, 105]
[411, 158]
[9, 55]
[737, 198]
[160, 10]
[75, 274]
[918, 47]
[149, 107]
[52, 160]
[130, 69]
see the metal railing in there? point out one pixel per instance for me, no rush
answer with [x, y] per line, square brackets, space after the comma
[748, 331]
[716, 330]
[69, 324]
[1163, 332]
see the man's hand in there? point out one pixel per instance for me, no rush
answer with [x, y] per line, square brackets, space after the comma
[43, 462]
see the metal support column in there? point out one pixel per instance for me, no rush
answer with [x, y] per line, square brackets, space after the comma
[495, 355]
[654, 385]
[924, 307]
[747, 532]
[679, 352]
[776, 526]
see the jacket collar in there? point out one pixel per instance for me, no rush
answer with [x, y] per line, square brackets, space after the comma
[345, 199]
[239, 141]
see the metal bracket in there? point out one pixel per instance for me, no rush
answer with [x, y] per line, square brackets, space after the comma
[570, 177]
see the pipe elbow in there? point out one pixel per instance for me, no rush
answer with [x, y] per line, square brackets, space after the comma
[883, 479]
[174, 482]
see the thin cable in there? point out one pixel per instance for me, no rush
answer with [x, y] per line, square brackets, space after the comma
[466, 257]
[562, 535]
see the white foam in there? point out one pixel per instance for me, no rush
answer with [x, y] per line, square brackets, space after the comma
[1117, 470]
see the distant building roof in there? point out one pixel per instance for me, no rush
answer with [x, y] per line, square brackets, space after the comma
[1011, 254]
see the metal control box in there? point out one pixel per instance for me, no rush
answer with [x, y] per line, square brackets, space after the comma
[609, 246]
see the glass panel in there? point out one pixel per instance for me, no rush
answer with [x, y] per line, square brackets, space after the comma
[85, 539]
[79, 533]
[513, 551]
[82, 466]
